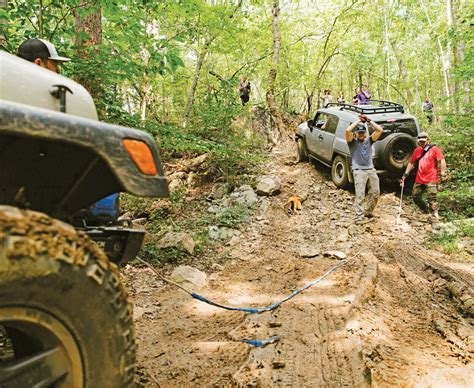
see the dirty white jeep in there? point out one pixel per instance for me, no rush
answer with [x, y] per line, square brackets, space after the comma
[65, 318]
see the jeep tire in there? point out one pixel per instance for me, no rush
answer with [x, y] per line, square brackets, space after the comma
[340, 172]
[301, 151]
[62, 306]
[395, 151]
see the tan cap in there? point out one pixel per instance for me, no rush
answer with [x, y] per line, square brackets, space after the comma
[423, 135]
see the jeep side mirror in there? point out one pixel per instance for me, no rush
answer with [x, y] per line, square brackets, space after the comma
[310, 124]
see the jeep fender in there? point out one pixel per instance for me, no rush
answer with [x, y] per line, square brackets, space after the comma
[59, 163]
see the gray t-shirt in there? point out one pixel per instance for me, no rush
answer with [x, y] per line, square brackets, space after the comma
[361, 154]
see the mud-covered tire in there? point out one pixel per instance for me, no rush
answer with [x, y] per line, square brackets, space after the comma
[395, 151]
[57, 288]
[340, 172]
[301, 151]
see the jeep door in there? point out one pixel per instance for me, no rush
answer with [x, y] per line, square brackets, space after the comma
[324, 134]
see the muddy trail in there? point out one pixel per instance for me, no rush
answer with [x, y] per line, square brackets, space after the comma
[397, 314]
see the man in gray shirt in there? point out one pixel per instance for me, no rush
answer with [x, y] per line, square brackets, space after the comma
[360, 145]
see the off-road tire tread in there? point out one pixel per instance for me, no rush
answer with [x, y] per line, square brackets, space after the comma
[29, 237]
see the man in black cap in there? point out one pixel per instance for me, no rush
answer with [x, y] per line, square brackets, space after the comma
[42, 53]
[365, 175]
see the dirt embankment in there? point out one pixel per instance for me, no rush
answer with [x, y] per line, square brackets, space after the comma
[398, 314]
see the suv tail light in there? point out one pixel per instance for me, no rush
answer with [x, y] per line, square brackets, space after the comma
[141, 156]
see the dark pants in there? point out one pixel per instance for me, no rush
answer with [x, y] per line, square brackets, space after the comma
[431, 189]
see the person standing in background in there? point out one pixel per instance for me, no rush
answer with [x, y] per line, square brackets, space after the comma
[327, 98]
[340, 98]
[364, 95]
[428, 109]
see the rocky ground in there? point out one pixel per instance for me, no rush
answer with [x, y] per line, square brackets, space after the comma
[395, 314]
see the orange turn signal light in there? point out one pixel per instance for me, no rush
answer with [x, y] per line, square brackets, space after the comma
[141, 156]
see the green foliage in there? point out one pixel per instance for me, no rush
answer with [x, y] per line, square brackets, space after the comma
[449, 238]
[455, 141]
[233, 216]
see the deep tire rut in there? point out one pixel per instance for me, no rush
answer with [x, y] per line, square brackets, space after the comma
[396, 315]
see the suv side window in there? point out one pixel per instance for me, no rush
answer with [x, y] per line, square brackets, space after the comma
[331, 124]
[320, 120]
[326, 123]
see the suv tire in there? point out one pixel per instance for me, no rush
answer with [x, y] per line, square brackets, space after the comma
[340, 172]
[301, 151]
[59, 293]
[395, 151]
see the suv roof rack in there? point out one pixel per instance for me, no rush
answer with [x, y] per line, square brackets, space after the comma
[382, 107]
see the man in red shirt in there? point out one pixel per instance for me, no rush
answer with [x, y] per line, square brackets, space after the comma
[426, 156]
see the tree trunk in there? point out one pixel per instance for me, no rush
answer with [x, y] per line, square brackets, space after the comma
[197, 74]
[271, 101]
[89, 22]
[441, 55]
[3, 21]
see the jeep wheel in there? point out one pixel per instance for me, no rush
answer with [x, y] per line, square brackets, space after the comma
[301, 151]
[62, 306]
[340, 172]
[395, 151]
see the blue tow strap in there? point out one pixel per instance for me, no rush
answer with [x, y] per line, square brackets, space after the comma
[262, 343]
[253, 310]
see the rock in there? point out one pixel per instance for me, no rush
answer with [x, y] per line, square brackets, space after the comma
[264, 205]
[177, 240]
[245, 188]
[219, 190]
[268, 186]
[193, 164]
[234, 241]
[274, 324]
[467, 244]
[196, 162]
[335, 255]
[308, 252]
[186, 274]
[214, 209]
[345, 246]
[191, 180]
[343, 235]
[128, 216]
[176, 185]
[245, 194]
[222, 233]
[139, 223]
[178, 175]
[139, 312]
[217, 267]
[278, 364]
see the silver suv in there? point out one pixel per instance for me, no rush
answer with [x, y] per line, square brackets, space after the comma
[323, 138]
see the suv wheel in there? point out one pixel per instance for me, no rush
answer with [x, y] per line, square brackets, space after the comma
[301, 151]
[63, 308]
[340, 172]
[396, 150]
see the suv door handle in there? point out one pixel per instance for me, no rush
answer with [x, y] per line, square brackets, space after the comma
[320, 137]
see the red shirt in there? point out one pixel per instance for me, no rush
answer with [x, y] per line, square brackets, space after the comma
[428, 165]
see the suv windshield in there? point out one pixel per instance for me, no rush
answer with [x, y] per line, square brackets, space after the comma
[395, 126]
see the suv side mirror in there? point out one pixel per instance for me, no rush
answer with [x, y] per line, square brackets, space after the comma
[311, 125]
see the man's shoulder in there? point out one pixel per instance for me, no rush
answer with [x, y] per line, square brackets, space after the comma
[418, 150]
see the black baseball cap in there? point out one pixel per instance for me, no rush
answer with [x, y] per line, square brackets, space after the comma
[39, 48]
[360, 128]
